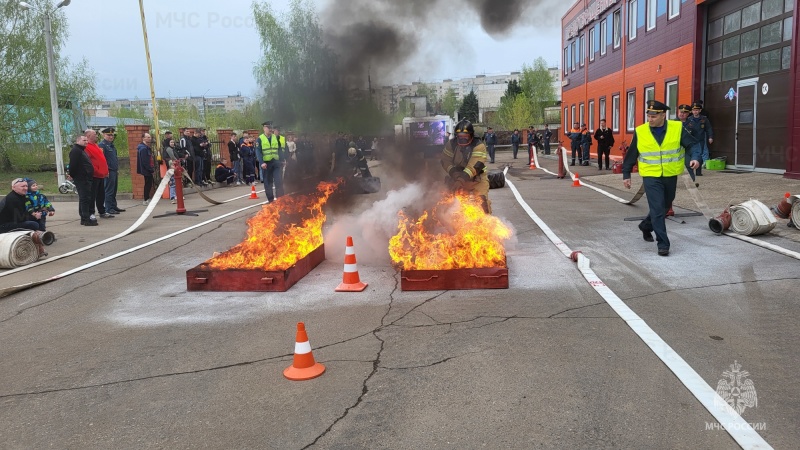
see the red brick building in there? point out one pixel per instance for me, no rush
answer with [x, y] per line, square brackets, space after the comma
[739, 56]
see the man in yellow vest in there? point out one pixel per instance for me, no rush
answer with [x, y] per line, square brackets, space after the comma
[269, 153]
[659, 147]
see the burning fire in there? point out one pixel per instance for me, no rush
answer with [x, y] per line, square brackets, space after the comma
[282, 233]
[456, 234]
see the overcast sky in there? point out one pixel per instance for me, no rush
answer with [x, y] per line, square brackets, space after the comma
[208, 47]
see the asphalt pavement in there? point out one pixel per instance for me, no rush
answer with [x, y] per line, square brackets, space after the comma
[116, 353]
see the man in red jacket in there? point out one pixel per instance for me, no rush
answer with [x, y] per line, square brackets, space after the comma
[100, 167]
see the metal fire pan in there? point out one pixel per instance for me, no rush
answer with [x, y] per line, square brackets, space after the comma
[204, 278]
[439, 280]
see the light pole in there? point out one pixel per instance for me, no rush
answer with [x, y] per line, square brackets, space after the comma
[51, 71]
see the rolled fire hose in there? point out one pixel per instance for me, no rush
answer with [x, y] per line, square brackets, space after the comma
[752, 218]
[17, 249]
[795, 217]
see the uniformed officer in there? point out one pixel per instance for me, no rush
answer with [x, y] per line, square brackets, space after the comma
[464, 160]
[658, 146]
[701, 128]
[268, 153]
[684, 111]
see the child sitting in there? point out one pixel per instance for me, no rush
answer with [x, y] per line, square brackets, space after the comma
[37, 202]
[224, 174]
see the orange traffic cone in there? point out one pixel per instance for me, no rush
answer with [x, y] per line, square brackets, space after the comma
[576, 181]
[253, 191]
[350, 280]
[304, 367]
[783, 209]
[533, 164]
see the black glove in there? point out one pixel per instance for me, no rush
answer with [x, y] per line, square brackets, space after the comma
[453, 172]
[461, 176]
[480, 167]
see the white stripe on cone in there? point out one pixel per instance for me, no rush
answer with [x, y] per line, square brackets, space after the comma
[349, 251]
[351, 268]
[301, 348]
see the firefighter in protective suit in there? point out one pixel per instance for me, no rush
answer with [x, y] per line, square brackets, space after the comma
[356, 159]
[464, 160]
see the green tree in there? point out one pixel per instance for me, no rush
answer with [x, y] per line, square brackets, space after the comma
[300, 74]
[24, 83]
[537, 83]
[450, 103]
[469, 107]
[512, 90]
[515, 112]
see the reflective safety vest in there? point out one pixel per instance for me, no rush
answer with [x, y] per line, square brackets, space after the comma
[269, 147]
[665, 160]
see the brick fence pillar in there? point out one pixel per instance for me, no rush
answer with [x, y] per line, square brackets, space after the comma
[224, 136]
[135, 133]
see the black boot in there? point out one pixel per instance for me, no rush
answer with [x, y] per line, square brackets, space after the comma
[573, 163]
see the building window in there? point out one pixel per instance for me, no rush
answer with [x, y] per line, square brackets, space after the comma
[748, 67]
[582, 110]
[617, 28]
[730, 70]
[574, 118]
[574, 54]
[651, 14]
[566, 121]
[615, 113]
[771, 8]
[602, 108]
[591, 44]
[770, 62]
[591, 115]
[633, 9]
[566, 60]
[582, 49]
[786, 58]
[770, 34]
[630, 117]
[674, 8]
[603, 37]
[787, 29]
[750, 41]
[751, 15]
[649, 94]
[715, 29]
[733, 22]
[671, 98]
[714, 74]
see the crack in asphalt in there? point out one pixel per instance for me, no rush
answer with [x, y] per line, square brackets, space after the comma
[123, 270]
[150, 377]
[637, 297]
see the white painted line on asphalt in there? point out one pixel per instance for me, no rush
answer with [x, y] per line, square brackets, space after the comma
[150, 207]
[10, 290]
[734, 424]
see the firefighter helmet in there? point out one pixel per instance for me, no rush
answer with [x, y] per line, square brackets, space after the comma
[464, 127]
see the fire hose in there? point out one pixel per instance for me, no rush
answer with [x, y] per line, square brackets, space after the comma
[17, 249]
[752, 218]
[636, 197]
[795, 217]
[702, 205]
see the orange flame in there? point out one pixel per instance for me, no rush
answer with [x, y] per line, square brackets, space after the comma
[456, 234]
[282, 233]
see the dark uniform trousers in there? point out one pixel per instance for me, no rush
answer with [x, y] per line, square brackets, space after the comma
[660, 193]
[85, 199]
